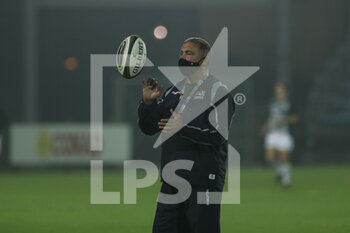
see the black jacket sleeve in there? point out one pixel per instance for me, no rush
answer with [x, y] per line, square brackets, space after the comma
[201, 131]
[150, 115]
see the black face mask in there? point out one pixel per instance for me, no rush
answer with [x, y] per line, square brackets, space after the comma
[188, 68]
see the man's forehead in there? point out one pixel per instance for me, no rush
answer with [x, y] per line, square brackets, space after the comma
[189, 46]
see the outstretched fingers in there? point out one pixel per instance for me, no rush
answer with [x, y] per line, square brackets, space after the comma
[160, 89]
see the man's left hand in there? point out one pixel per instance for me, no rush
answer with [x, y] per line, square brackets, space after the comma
[171, 125]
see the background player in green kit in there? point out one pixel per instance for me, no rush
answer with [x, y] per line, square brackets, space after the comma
[278, 140]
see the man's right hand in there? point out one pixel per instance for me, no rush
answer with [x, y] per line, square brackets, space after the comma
[150, 90]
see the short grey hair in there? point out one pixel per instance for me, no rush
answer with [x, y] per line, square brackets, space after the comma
[203, 44]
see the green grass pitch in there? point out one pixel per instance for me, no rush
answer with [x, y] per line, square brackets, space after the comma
[50, 202]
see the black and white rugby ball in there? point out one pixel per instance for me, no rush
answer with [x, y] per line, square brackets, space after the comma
[131, 56]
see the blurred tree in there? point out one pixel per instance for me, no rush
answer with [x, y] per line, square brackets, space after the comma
[4, 123]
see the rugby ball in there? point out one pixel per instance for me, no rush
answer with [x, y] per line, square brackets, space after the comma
[131, 56]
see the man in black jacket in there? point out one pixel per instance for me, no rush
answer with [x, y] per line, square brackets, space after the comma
[188, 112]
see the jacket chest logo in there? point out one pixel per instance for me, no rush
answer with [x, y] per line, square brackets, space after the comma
[176, 92]
[199, 95]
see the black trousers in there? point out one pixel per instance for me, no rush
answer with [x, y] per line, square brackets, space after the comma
[188, 216]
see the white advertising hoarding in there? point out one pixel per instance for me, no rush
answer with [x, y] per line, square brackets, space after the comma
[67, 144]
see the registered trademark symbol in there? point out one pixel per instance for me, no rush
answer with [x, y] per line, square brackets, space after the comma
[239, 99]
